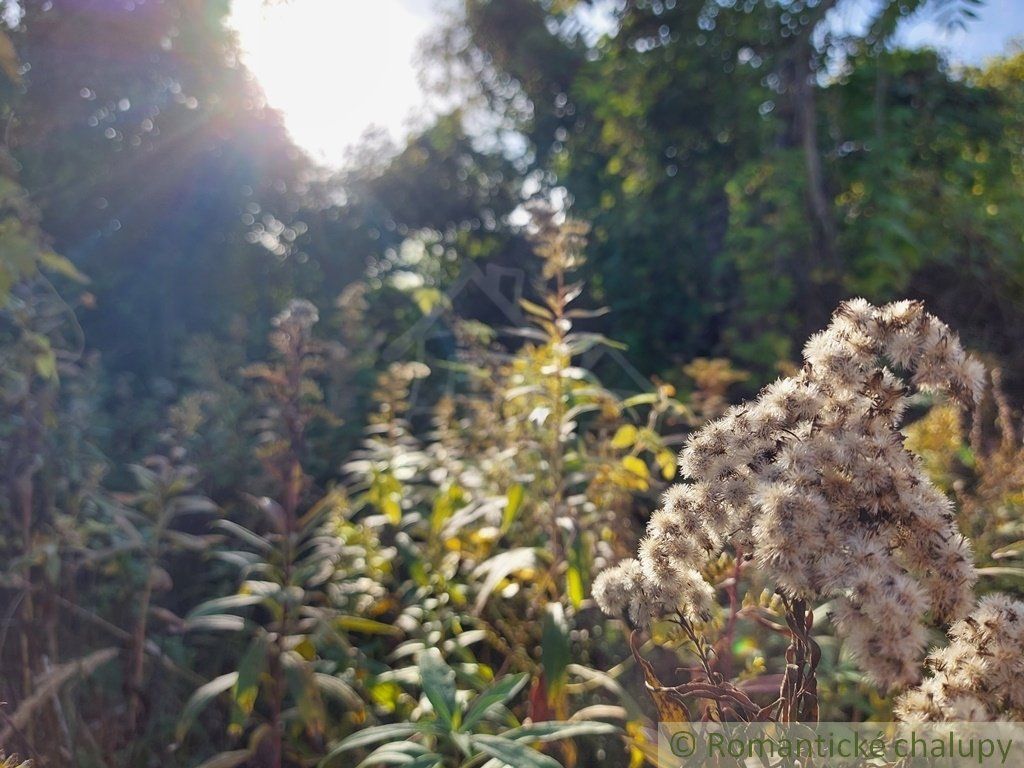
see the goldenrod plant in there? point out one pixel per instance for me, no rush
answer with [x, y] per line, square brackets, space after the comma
[812, 484]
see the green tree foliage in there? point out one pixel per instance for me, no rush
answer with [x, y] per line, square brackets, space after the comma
[748, 160]
[158, 169]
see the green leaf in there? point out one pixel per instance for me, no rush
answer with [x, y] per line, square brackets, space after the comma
[247, 685]
[366, 626]
[555, 730]
[536, 309]
[427, 761]
[462, 743]
[644, 398]
[583, 314]
[220, 604]
[555, 653]
[445, 505]
[1001, 570]
[243, 533]
[337, 688]
[227, 759]
[306, 694]
[398, 753]
[223, 622]
[46, 364]
[199, 700]
[502, 691]
[373, 735]
[438, 680]
[6, 282]
[513, 752]
[578, 343]
[1010, 550]
[54, 262]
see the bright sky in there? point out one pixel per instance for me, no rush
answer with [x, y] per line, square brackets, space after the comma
[336, 67]
[998, 23]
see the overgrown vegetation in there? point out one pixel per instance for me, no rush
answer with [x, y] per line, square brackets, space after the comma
[301, 470]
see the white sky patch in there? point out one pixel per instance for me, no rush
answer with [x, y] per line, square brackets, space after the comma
[999, 24]
[335, 68]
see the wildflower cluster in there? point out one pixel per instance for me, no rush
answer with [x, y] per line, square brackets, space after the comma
[977, 676]
[813, 481]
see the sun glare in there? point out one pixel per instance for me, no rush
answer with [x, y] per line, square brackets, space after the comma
[335, 67]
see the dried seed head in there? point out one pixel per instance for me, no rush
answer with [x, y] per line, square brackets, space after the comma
[813, 474]
[977, 676]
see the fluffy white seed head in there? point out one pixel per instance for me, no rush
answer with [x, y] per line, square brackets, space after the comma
[977, 676]
[812, 479]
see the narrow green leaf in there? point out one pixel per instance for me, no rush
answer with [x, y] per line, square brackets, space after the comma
[247, 685]
[306, 695]
[54, 262]
[536, 309]
[427, 761]
[555, 653]
[1001, 570]
[373, 735]
[337, 688]
[223, 622]
[438, 680]
[199, 700]
[365, 626]
[221, 604]
[398, 753]
[244, 534]
[644, 398]
[513, 752]
[555, 730]
[502, 690]
[227, 759]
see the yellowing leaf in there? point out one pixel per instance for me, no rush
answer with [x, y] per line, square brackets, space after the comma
[427, 299]
[306, 649]
[670, 708]
[385, 694]
[515, 500]
[366, 626]
[54, 262]
[636, 466]
[535, 309]
[625, 437]
[574, 575]
[9, 58]
[46, 364]
[667, 462]
[574, 586]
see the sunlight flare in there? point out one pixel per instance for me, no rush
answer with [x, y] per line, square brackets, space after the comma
[334, 68]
